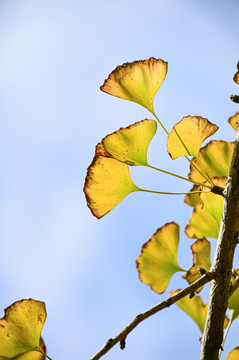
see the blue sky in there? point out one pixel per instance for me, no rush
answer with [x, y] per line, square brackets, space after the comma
[54, 55]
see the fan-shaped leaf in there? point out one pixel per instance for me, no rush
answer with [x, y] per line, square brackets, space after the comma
[137, 81]
[107, 182]
[201, 258]
[234, 354]
[233, 120]
[130, 144]
[158, 260]
[20, 330]
[236, 76]
[188, 135]
[193, 199]
[194, 308]
[205, 220]
[215, 159]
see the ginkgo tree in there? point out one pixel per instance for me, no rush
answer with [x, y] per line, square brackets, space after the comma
[214, 198]
[214, 178]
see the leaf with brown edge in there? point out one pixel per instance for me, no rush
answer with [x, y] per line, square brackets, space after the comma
[188, 135]
[234, 354]
[20, 331]
[233, 120]
[107, 182]
[215, 159]
[129, 145]
[194, 308]
[236, 76]
[158, 260]
[201, 258]
[206, 218]
[137, 81]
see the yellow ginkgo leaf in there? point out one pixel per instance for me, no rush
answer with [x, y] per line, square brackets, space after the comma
[233, 120]
[193, 199]
[129, 145]
[107, 182]
[214, 159]
[236, 76]
[194, 308]
[137, 81]
[188, 135]
[206, 217]
[201, 258]
[234, 354]
[20, 330]
[233, 303]
[158, 260]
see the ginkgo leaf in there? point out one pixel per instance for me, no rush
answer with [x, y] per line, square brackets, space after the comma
[201, 258]
[130, 144]
[193, 199]
[107, 182]
[20, 330]
[188, 135]
[194, 308]
[233, 120]
[137, 81]
[31, 355]
[158, 260]
[233, 304]
[236, 76]
[234, 354]
[214, 159]
[206, 218]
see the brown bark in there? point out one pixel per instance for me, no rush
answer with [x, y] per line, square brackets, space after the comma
[223, 261]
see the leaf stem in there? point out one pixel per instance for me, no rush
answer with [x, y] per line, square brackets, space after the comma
[160, 122]
[226, 332]
[174, 193]
[179, 176]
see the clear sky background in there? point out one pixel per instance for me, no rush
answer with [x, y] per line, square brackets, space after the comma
[54, 55]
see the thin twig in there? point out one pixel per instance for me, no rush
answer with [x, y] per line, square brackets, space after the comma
[121, 337]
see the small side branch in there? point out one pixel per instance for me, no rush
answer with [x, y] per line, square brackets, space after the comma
[121, 337]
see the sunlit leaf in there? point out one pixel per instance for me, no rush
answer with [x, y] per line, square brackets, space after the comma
[233, 303]
[206, 218]
[236, 76]
[233, 120]
[20, 330]
[107, 182]
[201, 258]
[158, 260]
[194, 308]
[215, 158]
[137, 81]
[234, 354]
[193, 199]
[130, 144]
[188, 135]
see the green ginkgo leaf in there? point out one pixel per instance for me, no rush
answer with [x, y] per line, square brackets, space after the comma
[188, 135]
[233, 120]
[234, 354]
[158, 260]
[194, 308]
[206, 217]
[233, 303]
[20, 331]
[236, 76]
[137, 81]
[201, 258]
[107, 182]
[214, 159]
[129, 145]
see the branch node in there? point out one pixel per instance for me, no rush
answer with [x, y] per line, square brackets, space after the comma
[218, 190]
[108, 343]
[192, 295]
[235, 98]
[123, 343]
[203, 271]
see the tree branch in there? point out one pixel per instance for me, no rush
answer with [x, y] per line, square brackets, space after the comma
[121, 337]
[223, 262]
